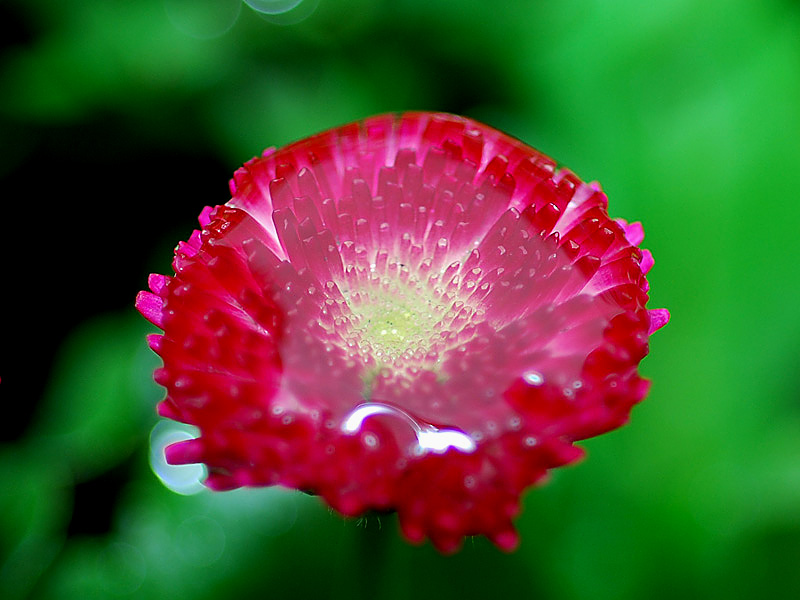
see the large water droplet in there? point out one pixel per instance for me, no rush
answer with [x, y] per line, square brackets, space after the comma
[181, 479]
[429, 437]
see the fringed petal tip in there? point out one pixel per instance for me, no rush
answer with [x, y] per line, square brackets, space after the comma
[150, 306]
[658, 318]
[154, 341]
[507, 541]
[157, 283]
[634, 232]
[167, 411]
[647, 261]
[205, 216]
[184, 453]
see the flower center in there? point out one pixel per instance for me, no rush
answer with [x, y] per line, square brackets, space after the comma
[393, 319]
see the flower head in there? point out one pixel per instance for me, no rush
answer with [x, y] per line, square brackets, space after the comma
[414, 313]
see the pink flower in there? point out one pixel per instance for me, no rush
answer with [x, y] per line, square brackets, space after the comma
[414, 313]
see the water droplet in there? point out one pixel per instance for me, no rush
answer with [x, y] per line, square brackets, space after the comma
[533, 378]
[181, 479]
[429, 438]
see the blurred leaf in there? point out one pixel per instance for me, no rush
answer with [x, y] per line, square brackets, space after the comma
[103, 55]
[280, 106]
[97, 407]
[35, 502]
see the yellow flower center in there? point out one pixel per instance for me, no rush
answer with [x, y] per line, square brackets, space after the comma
[395, 319]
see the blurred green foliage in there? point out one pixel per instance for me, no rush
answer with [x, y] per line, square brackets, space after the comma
[688, 114]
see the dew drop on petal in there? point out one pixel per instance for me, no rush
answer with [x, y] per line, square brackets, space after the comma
[370, 440]
[429, 438]
[533, 378]
[441, 440]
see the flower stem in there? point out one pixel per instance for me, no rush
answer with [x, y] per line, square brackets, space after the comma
[372, 549]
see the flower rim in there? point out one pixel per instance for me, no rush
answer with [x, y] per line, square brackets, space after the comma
[398, 255]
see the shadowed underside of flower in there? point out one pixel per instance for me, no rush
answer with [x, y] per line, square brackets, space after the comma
[414, 313]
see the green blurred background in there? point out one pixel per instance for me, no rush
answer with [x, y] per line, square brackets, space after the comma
[120, 120]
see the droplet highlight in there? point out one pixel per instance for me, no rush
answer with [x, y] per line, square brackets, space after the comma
[429, 437]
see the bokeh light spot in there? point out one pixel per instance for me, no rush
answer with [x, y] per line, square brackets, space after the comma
[200, 541]
[284, 12]
[121, 569]
[181, 479]
[273, 7]
[203, 19]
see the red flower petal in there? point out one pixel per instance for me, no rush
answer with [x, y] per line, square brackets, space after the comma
[415, 313]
